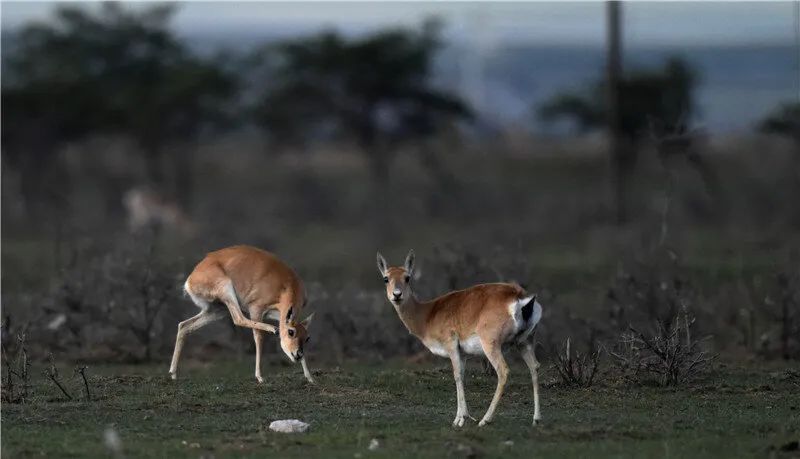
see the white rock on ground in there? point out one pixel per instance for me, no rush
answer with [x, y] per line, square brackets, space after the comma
[289, 426]
[112, 440]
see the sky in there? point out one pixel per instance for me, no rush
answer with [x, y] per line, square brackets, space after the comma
[736, 88]
[547, 23]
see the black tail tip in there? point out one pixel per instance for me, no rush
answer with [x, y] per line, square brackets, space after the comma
[527, 310]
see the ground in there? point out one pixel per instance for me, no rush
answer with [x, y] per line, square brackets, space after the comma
[217, 409]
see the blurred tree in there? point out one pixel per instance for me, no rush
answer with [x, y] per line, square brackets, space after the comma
[656, 103]
[785, 121]
[106, 70]
[375, 90]
[660, 101]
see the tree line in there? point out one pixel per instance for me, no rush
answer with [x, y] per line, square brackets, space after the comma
[114, 71]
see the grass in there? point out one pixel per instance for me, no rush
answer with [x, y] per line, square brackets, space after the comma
[217, 409]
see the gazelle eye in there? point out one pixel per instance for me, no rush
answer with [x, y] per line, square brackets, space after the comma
[308, 339]
[290, 332]
[385, 280]
[408, 278]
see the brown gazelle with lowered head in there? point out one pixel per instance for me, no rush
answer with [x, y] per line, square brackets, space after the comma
[477, 320]
[228, 282]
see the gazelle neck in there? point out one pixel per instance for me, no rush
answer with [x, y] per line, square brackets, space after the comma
[413, 313]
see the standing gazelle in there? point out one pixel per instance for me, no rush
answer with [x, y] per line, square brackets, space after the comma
[242, 278]
[476, 320]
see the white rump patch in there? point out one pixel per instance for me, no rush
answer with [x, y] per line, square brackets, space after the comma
[520, 326]
[537, 313]
[199, 302]
[534, 320]
[515, 311]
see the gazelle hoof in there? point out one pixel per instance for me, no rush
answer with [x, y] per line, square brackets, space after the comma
[484, 422]
[537, 421]
[260, 379]
[173, 376]
[459, 421]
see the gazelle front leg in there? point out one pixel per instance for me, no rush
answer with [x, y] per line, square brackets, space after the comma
[495, 355]
[306, 373]
[458, 374]
[529, 356]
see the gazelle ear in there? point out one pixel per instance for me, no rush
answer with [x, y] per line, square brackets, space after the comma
[409, 264]
[381, 265]
[308, 320]
[289, 315]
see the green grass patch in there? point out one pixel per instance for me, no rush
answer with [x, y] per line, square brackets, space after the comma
[218, 409]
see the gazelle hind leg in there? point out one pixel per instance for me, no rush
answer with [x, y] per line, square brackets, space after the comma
[494, 353]
[458, 374]
[188, 327]
[258, 338]
[529, 356]
[227, 295]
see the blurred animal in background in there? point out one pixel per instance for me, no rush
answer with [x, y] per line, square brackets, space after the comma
[478, 320]
[146, 208]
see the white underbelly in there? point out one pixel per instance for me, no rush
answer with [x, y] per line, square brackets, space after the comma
[471, 345]
[436, 348]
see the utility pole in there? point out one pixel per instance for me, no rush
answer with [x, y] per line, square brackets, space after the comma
[617, 151]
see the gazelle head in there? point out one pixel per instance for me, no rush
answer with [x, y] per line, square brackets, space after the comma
[294, 336]
[397, 279]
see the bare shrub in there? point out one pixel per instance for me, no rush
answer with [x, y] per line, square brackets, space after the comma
[653, 290]
[52, 374]
[17, 384]
[358, 324]
[576, 368]
[74, 302]
[108, 302]
[668, 355]
[141, 285]
[770, 323]
[782, 308]
[81, 370]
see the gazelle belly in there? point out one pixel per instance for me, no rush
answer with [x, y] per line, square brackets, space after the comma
[471, 345]
[436, 348]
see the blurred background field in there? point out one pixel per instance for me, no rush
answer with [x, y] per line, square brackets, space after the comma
[136, 138]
